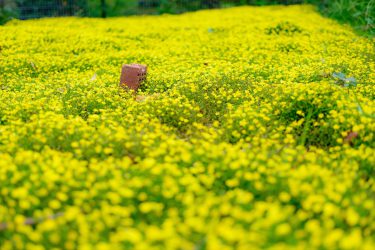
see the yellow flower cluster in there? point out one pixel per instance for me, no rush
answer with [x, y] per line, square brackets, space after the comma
[241, 137]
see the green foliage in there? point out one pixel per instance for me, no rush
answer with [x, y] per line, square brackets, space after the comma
[4, 16]
[178, 6]
[359, 13]
[113, 7]
[7, 12]
[283, 28]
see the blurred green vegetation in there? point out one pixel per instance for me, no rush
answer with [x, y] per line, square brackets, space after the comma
[359, 13]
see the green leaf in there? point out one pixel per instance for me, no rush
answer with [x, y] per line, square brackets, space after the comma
[339, 75]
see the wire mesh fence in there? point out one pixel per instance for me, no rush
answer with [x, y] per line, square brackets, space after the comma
[26, 9]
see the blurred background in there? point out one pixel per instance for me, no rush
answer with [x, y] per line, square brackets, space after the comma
[359, 13]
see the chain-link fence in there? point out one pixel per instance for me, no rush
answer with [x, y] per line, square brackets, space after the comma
[26, 9]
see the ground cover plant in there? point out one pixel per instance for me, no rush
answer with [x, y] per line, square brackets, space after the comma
[255, 129]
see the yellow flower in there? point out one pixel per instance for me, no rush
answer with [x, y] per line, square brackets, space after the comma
[283, 229]
[238, 136]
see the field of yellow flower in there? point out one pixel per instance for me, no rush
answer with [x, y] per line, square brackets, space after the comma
[254, 129]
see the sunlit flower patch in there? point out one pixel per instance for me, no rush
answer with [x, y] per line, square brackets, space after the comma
[254, 130]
